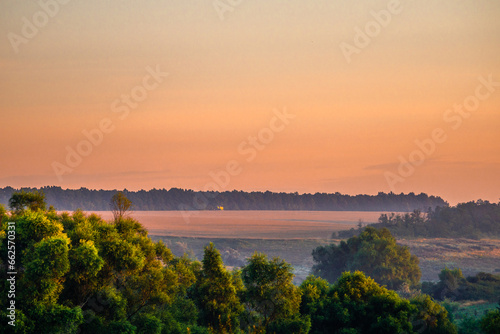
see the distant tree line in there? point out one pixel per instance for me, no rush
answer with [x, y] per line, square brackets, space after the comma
[472, 220]
[182, 199]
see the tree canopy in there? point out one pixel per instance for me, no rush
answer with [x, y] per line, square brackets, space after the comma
[216, 295]
[490, 323]
[375, 252]
[272, 295]
[357, 304]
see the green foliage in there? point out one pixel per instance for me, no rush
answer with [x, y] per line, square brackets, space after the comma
[216, 295]
[114, 302]
[121, 327]
[32, 227]
[78, 273]
[147, 324]
[162, 252]
[85, 261]
[469, 325]
[451, 308]
[374, 252]
[314, 291]
[22, 200]
[431, 317]
[270, 291]
[355, 304]
[449, 283]
[453, 285]
[56, 319]
[46, 266]
[296, 325]
[490, 323]
[3, 212]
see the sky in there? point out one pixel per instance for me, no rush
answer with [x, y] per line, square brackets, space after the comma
[307, 96]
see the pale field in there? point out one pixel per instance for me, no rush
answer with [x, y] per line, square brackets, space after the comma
[250, 224]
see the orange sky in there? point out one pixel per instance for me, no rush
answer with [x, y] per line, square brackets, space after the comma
[66, 68]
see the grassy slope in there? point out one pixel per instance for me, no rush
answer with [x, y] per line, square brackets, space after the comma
[471, 256]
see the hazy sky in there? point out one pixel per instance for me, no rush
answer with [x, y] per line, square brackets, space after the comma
[359, 93]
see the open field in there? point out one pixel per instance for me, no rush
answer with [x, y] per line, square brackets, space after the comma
[250, 224]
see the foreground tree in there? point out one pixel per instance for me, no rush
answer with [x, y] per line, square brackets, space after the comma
[81, 274]
[375, 253]
[357, 304]
[429, 317]
[490, 323]
[469, 325]
[215, 294]
[271, 294]
[41, 263]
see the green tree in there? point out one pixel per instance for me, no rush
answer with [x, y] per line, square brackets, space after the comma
[469, 325]
[79, 273]
[42, 263]
[55, 319]
[270, 291]
[355, 304]
[314, 293]
[85, 261]
[216, 295]
[3, 213]
[490, 323]
[430, 317]
[120, 204]
[375, 252]
[449, 285]
[45, 268]
[22, 200]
